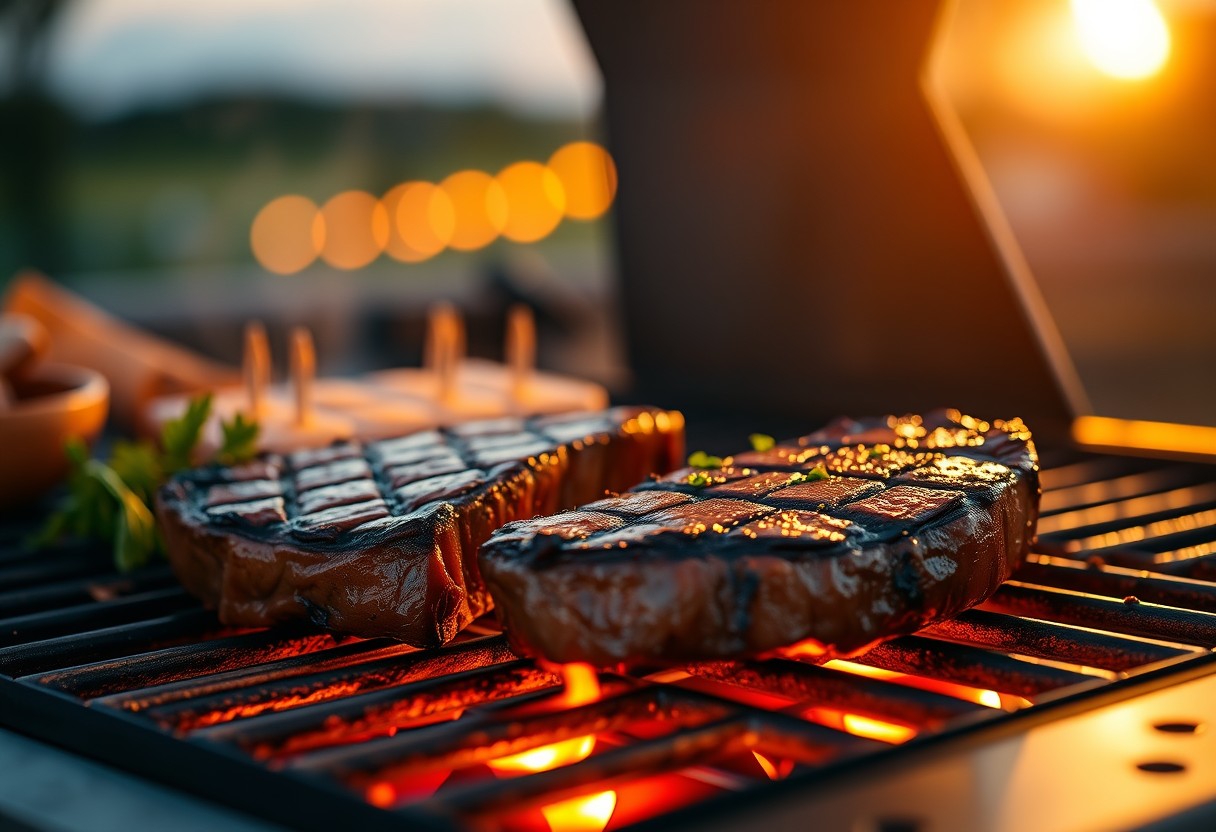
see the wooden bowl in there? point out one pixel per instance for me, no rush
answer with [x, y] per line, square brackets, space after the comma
[54, 403]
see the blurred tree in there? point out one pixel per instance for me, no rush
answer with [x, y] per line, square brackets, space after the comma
[33, 136]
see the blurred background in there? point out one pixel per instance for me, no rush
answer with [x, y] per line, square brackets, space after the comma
[189, 166]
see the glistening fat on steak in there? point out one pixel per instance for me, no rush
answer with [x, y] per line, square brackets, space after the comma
[855, 533]
[381, 539]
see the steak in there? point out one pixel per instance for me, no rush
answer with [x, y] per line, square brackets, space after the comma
[380, 539]
[855, 533]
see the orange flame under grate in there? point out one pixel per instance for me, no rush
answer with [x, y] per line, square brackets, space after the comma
[587, 813]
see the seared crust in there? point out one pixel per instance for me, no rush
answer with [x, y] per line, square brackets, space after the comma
[379, 539]
[921, 520]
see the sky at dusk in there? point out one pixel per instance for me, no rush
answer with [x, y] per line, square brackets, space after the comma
[113, 56]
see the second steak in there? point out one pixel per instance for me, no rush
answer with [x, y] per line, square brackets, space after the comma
[856, 533]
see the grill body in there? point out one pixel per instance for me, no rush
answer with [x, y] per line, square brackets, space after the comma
[1112, 615]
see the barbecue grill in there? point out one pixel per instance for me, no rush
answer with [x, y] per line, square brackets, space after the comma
[1079, 696]
[1105, 637]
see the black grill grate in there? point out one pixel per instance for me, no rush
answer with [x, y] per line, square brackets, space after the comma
[318, 731]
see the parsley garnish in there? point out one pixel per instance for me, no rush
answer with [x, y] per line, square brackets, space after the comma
[814, 475]
[698, 480]
[240, 440]
[700, 459]
[762, 442]
[179, 437]
[112, 500]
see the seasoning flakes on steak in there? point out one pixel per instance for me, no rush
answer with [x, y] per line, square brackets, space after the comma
[855, 533]
[380, 539]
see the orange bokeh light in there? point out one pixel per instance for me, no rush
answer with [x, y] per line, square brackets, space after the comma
[287, 234]
[535, 198]
[421, 220]
[356, 230]
[479, 209]
[588, 176]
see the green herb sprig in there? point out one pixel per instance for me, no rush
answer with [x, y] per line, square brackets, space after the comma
[814, 475]
[761, 442]
[700, 459]
[111, 501]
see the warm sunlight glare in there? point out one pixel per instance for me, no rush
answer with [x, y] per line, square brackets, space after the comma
[1126, 39]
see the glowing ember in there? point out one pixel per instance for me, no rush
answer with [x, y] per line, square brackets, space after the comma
[987, 698]
[778, 770]
[589, 813]
[582, 684]
[581, 814]
[545, 757]
[382, 795]
[809, 649]
[862, 726]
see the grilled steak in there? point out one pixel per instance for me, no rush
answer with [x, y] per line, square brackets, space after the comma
[852, 534]
[381, 539]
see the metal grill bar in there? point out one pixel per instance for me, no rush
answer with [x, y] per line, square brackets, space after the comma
[83, 590]
[189, 625]
[1128, 616]
[187, 661]
[801, 682]
[1044, 640]
[966, 665]
[92, 616]
[366, 714]
[284, 692]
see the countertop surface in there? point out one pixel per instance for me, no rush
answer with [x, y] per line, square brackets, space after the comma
[46, 789]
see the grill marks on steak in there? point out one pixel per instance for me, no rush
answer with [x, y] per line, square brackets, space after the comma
[380, 539]
[858, 532]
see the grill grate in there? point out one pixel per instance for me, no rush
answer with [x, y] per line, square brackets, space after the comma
[315, 730]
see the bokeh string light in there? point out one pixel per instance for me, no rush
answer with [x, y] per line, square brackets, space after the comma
[525, 202]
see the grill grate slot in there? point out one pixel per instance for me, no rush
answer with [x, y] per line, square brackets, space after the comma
[408, 738]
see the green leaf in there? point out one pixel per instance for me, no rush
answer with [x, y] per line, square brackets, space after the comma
[700, 459]
[240, 440]
[762, 442]
[87, 511]
[179, 437]
[814, 475]
[138, 465]
[135, 538]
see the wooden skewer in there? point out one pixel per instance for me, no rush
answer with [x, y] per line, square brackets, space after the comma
[520, 349]
[445, 347]
[255, 366]
[303, 372]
